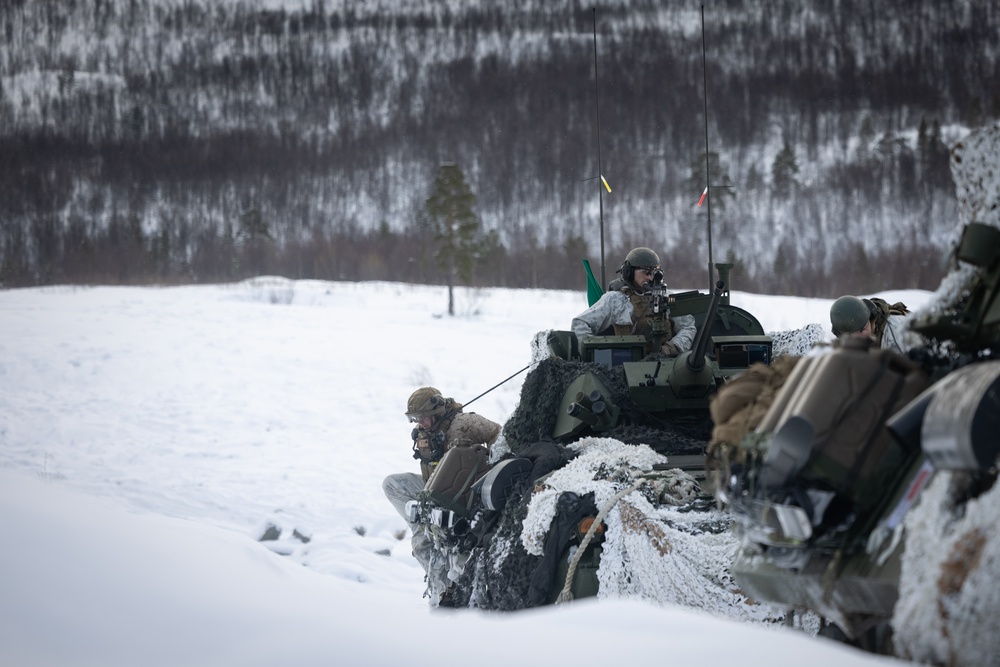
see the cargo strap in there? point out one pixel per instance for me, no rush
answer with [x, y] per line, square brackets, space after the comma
[866, 451]
[859, 396]
[468, 482]
[675, 485]
[565, 595]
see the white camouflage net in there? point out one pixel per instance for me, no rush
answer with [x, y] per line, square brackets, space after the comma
[651, 552]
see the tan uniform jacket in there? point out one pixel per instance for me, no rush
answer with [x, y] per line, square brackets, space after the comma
[465, 428]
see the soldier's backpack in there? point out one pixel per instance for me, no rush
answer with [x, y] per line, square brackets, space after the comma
[882, 309]
[450, 485]
[829, 423]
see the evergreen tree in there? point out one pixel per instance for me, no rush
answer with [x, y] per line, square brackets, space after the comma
[976, 114]
[783, 172]
[754, 179]
[255, 235]
[859, 281]
[722, 186]
[253, 226]
[450, 212]
[159, 252]
[491, 255]
[739, 267]
[784, 269]
[866, 135]
[228, 259]
[935, 161]
[922, 141]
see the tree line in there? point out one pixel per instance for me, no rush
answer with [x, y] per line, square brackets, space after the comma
[152, 151]
[436, 249]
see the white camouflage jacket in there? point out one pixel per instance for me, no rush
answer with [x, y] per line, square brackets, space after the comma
[615, 308]
[897, 335]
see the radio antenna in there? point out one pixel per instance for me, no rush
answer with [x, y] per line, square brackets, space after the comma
[708, 175]
[600, 170]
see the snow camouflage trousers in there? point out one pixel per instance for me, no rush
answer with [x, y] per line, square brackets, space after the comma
[401, 488]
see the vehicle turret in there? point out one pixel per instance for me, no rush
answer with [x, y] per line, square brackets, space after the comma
[658, 389]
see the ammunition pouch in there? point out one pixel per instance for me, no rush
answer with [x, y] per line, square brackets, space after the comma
[428, 448]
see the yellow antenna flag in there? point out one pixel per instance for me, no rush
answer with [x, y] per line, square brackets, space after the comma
[605, 183]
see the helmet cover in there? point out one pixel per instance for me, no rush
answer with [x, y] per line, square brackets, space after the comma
[849, 314]
[425, 401]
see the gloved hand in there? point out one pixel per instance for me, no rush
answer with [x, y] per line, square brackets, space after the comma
[670, 349]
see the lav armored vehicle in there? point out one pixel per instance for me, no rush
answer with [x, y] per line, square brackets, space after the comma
[820, 491]
[662, 391]
[602, 386]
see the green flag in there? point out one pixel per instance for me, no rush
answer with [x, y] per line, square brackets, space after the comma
[594, 290]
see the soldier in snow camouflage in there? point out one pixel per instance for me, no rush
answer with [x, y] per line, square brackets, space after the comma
[883, 322]
[625, 306]
[440, 425]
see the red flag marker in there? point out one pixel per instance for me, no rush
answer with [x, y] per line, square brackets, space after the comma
[703, 195]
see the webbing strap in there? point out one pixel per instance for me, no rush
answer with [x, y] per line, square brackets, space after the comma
[468, 481]
[866, 451]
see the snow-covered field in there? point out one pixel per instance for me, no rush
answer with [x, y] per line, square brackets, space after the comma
[149, 436]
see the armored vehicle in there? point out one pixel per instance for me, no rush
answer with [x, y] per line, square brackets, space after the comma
[608, 390]
[820, 491]
[662, 391]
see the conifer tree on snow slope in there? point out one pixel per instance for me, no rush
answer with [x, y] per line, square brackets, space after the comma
[449, 213]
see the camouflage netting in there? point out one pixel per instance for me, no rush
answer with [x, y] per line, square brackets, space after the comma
[668, 553]
[498, 573]
[535, 416]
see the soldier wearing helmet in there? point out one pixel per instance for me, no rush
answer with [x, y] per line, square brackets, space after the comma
[625, 307]
[440, 425]
[884, 323]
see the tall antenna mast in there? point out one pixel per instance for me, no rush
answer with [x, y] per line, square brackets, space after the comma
[600, 169]
[708, 176]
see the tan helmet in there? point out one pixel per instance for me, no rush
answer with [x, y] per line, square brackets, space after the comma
[426, 401]
[849, 314]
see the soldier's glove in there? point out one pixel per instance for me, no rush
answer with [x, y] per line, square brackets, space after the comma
[670, 349]
[415, 435]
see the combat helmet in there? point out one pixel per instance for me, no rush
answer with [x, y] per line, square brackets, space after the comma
[638, 258]
[849, 314]
[426, 401]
